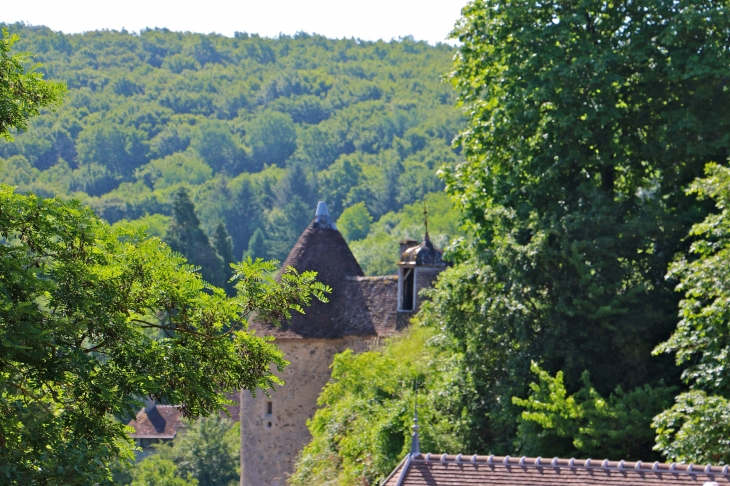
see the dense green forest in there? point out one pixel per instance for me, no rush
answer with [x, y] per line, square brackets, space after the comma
[255, 130]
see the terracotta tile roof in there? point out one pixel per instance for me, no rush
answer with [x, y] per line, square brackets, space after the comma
[442, 470]
[235, 409]
[159, 422]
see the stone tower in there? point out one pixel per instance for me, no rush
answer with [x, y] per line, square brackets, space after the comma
[360, 309]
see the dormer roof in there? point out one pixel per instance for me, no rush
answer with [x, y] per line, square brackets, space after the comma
[425, 254]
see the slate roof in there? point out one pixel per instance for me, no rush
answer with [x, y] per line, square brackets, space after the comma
[381, 300]
[159, 422]
[442, 470]
[424, 254]
[358, 305]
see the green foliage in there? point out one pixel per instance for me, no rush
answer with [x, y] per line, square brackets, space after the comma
[158, 471]
[22, 93]
[175, 169]
[223, 247]
[284, 225]
[703, 333]
[361, 431]
[272, 137]
[585, 424]
[256, 246]
[207, 452]
[219, 148]
[92, 318]
[585, 126]
[222, 244]
[153, 225]
[150, 111]
[185, 236]
[694, 428]
[354, 222]
[17, 171]
[118, 150]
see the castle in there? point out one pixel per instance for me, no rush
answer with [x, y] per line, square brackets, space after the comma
[360, 310]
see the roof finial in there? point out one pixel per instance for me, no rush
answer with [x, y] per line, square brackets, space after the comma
[415, 442]
[426, 238]
[322, 216]
[425, 217]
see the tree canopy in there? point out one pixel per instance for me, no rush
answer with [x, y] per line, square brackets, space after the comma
[696, 427]
[208, 452]
[22, 92]
[94, 318]
[588, 119]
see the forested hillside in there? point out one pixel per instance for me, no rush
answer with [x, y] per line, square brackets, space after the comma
[256, 129]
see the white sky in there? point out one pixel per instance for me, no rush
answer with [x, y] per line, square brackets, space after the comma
[429, 20]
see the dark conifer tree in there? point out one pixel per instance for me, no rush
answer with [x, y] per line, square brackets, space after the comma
[224, 248]
[295, 184]
[256, 246]
[284, 225]
[243, 213]
[185, 235]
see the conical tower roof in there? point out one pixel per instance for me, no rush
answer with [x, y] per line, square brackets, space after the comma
[323, 249]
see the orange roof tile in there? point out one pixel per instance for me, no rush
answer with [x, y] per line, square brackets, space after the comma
[443, 470]
[159, 422]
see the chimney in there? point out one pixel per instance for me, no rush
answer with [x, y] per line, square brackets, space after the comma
[406, 244]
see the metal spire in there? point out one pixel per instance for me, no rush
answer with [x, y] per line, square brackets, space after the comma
[322, 216]
[425, 219]
[415, 442]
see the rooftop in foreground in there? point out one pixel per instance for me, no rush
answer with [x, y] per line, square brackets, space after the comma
[443, 469]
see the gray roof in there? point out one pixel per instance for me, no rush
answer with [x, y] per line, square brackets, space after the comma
[358, 305]
[425, 254]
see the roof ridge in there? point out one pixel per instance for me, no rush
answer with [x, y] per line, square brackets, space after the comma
[557, 463]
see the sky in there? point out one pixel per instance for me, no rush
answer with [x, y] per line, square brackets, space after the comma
[429, 20]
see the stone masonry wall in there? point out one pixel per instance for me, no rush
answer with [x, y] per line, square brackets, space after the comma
[425, 277]
[270, 443]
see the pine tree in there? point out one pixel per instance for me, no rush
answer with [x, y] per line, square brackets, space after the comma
[256, 246]
[295, 184]
[185, 236]
[224, 248]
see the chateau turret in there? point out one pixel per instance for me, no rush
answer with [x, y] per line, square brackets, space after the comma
[360, 309]
[323, 249]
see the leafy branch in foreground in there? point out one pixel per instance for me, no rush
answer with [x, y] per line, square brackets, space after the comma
[92, 318]
[695, 428]
[22, 93]
[585, 424]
